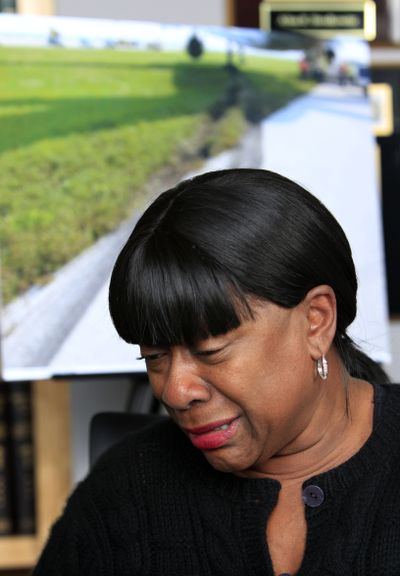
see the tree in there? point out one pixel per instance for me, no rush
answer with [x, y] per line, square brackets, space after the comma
[195, 47]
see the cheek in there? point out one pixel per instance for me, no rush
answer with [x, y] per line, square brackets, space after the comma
[291, 365]
[234, 382]
[156, 385]
[280, 390]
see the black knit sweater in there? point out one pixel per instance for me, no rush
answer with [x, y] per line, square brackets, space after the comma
[153, 506]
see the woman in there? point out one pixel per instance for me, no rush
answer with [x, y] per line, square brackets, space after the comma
[280, 456]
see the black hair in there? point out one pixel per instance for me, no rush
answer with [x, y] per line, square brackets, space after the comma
[203, 247]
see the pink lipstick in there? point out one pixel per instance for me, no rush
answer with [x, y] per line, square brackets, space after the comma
[213, 435]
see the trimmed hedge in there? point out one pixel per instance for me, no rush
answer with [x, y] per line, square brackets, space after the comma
[83, 132]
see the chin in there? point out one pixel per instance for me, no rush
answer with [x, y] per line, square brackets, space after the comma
[225, 465]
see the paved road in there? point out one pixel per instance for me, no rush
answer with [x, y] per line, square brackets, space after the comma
[64, 327]
[37, 326]
[322, 140]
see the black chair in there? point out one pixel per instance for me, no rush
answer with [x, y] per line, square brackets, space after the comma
[106, 428]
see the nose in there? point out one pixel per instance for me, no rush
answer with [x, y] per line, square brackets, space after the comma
[184, 384]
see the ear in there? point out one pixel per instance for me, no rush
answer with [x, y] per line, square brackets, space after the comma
[320, 308]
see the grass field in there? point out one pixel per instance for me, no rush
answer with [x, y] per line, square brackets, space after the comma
[83, 131]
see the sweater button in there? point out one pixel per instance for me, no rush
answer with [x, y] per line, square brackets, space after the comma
[313, 496]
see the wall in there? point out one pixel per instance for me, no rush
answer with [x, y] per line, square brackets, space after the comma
[172, 11]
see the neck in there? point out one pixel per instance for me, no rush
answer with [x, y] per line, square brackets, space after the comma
[340, 425]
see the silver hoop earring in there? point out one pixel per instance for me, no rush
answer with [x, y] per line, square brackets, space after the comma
[322, 367]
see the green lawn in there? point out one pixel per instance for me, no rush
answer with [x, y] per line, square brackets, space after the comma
[83, 131]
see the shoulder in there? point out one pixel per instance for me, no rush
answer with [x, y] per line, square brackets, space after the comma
[163, 439]
[385, 394]
[128, 477]
[386, 404]
[389, 388]
[139, 459]
[122, 503]
[386, 434]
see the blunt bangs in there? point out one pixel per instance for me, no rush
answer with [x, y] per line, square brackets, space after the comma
[170, 293]
[203, 250]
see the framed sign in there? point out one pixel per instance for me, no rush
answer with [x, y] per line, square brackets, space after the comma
[320, 19]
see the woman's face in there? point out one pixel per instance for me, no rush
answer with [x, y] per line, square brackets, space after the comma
[244, 396]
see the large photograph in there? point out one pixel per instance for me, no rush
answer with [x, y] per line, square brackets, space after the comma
[98, 117]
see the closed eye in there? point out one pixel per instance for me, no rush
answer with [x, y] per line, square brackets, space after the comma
[150, 357]
[212, 356]
[208, 352]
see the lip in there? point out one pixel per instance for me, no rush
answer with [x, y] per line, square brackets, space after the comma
[208, 427]
[208, 438]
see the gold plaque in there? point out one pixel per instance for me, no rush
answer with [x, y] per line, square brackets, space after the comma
[320, 19]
